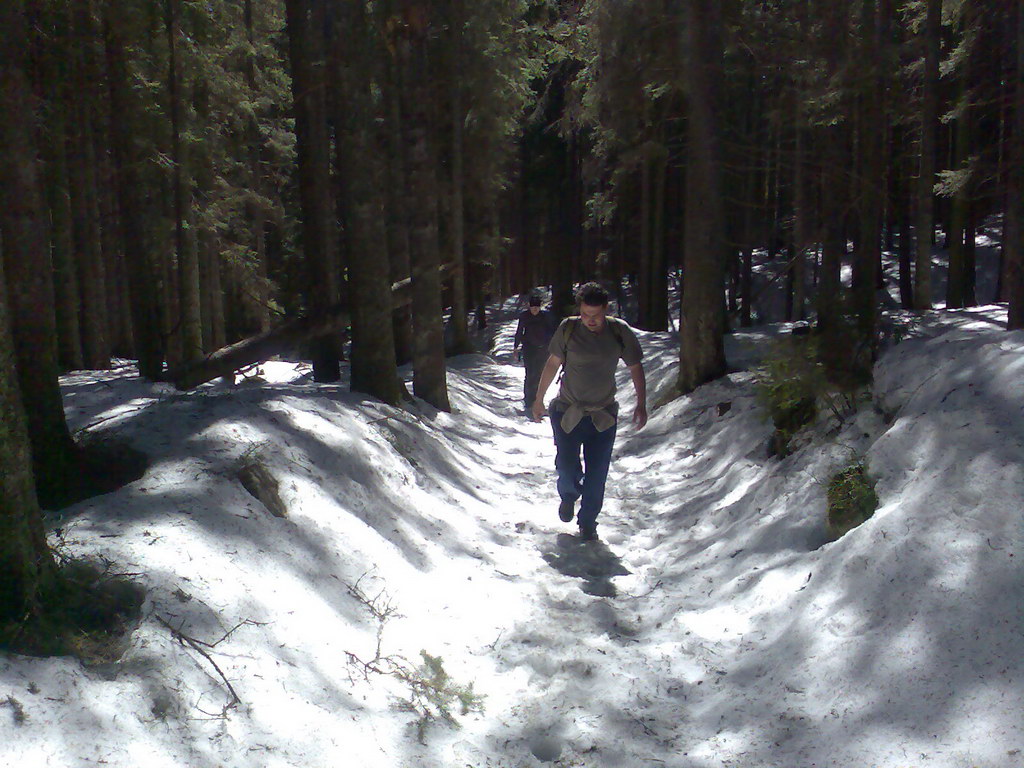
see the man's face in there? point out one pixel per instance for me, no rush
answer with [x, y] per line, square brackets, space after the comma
[593, 317]
[534, 309]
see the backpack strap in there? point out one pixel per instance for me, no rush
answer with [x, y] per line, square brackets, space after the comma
[567, 332]
[616, 330]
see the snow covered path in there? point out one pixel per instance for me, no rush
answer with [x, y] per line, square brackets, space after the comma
[712, 625]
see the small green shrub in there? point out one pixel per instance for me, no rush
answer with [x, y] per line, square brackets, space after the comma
[18, 715]
[851, 500]
[433, 694]
[846, 355]
[789, 382]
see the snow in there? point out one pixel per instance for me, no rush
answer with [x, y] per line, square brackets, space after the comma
[713, 625]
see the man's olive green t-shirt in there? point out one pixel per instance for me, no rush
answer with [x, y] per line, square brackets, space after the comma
[589, 362]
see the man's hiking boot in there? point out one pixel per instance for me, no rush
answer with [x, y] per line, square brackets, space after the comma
[565, 510]
[588, 533]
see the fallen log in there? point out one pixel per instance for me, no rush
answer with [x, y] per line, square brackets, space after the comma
[263, 346]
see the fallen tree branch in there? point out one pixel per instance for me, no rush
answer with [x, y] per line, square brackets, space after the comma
[200, 647]
[256, 349]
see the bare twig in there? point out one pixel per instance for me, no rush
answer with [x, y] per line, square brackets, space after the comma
[200, 647]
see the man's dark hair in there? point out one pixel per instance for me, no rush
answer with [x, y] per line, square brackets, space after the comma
[592, 294]
[535, 300]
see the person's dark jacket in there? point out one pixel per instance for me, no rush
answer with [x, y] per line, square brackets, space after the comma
[535, 330]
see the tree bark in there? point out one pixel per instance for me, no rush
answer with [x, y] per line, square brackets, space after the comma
[58, 87]
[652, 274]
[190, 325]
[65, 275]
[801, 218]
[374, 370]
[1013, 237]
[306, 49]
[957, 278]
[925, 226]
[702, 327]
[833, 247]
[871, 169]
[134, 192]
[84, 195]
[29, 270]
[460, 325]
[26, 565]
[901, 201]
[429, 373]
[397, 216]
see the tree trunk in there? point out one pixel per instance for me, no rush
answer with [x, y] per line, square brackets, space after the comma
[58, 85]
[397, 216]
[84, 199]
[111, 242]
[970, 255]
[746, 287]
[374, 370]
[659, 267]
[26, 565]
[459, 320]
[702, 350]
[65, 276]
[257, 213]
[1013, 237]
[643, 271]
[901, 202]
[169, 294]
[652, 275]
[956, 282]
[306, 48]
[833, 247]
[134, 192]
[925, 227]
[190, 326]
[801, 217]
[29, 272]
[871, 168]
[747, 239]
[429, 373]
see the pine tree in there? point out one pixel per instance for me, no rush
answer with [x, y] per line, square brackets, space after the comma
[26, 566]
[702, 352]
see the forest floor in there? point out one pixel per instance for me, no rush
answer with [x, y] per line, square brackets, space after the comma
[713, 624]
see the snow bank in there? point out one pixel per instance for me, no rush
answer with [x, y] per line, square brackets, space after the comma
[712, 625]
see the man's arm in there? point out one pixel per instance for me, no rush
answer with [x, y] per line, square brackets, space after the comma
[517, 340]
[640, 385]
[546, 377]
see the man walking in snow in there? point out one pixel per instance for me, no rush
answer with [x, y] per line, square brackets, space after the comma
[584, 414]
[534, 332]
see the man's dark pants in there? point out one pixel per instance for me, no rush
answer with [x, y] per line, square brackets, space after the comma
[534, 359]
[573, 482]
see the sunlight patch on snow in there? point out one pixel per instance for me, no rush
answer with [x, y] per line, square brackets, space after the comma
[723, 623]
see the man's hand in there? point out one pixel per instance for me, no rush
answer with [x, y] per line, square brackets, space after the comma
[515, 355]
[537, 411]
[546, 377]
[640, 416]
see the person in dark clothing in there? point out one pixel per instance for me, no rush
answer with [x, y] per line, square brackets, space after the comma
[536, 327]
